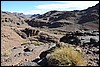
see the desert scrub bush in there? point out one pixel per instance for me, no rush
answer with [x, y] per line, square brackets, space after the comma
[6, 53]
[65, 56]
[35, 43]
[25, 43]
[31, 42]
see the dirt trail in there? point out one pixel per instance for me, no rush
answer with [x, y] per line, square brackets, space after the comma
[15, 58]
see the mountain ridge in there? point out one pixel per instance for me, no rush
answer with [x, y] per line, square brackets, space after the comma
[81, 17]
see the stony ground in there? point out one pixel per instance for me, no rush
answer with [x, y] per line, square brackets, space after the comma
[16, 51]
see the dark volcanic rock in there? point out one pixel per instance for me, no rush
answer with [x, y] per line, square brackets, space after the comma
[80, 38]
[71, 38]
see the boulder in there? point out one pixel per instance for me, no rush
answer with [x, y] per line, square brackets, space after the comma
[20, 33]
[29, 63]
[71, 39]
[31, 32]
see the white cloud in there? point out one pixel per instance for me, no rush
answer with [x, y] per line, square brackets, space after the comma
[51, 6]
[68, 5]
[60, 5]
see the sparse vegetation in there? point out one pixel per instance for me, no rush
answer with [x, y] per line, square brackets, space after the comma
[65, 56]
[53, 31]
[25, 43]
[32, 42]
[36, 43]
[7, 53]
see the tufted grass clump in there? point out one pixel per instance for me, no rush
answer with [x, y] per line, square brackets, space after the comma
[25, 43]
[6, 53]
[31, 42]
[65, 56]
[36, 43]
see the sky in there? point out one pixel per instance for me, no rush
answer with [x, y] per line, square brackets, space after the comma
[41, 7]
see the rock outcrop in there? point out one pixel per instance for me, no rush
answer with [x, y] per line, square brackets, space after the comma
[80, 38]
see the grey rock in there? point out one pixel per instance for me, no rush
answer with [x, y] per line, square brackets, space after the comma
[28, 64]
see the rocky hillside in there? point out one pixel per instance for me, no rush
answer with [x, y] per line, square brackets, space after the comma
[87, 18]
[9, 39]
[56, 38]
[15, 19]
[90, 15]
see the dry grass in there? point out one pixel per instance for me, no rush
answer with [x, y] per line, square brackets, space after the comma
[31, 42]
[36, 43]
[66, 56]
[7, 53]
[25, 43]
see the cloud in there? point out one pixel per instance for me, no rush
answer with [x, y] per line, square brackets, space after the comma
[59, 5]
[68, 5]
[51, 6]
[62, 5]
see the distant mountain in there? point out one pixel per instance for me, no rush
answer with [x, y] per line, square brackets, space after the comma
[76, 19]
[34, 15]
[13, 18]
[88, 18]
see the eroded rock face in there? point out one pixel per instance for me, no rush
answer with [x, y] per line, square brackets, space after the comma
[31, 32]
[35, 34]
[27, 32]
[47, 38]
[22, 34]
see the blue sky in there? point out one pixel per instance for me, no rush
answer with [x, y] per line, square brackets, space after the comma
[40, 7]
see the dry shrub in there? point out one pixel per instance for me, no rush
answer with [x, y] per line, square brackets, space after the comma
[65, 56]
[31, 42]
